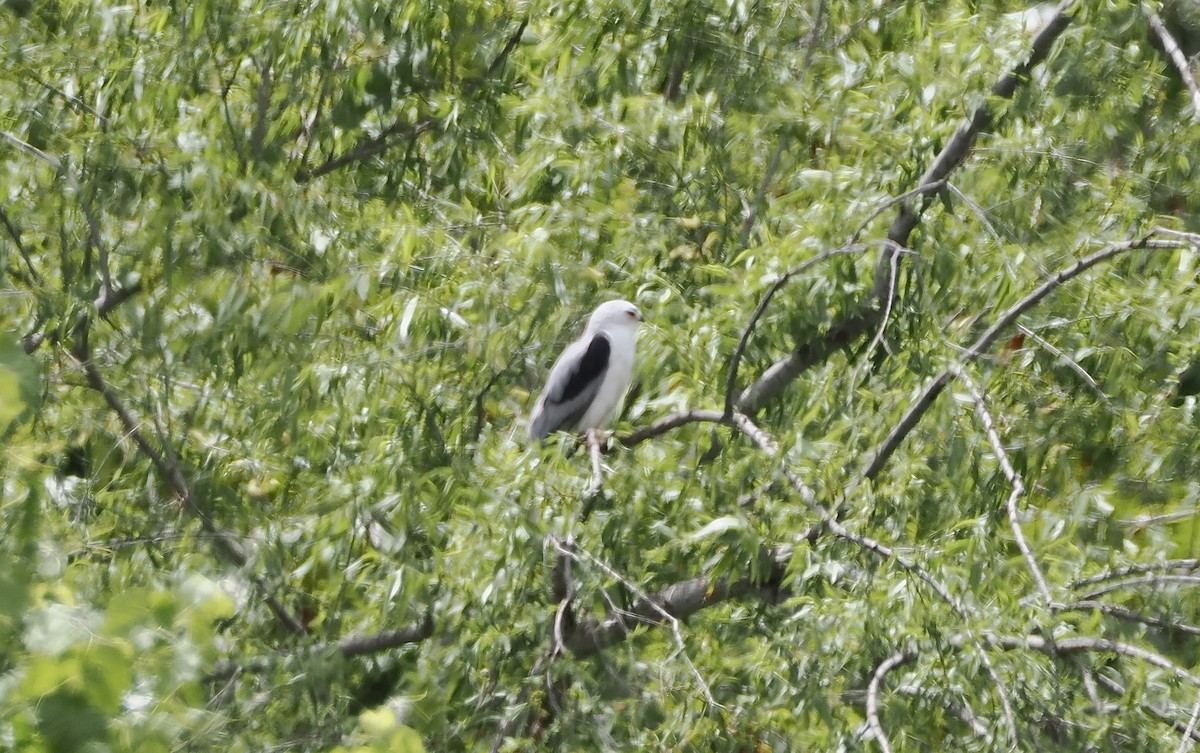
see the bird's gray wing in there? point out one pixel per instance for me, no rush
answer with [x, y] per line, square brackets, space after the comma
[572, 386]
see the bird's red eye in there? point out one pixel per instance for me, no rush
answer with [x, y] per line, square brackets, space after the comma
[631, 314]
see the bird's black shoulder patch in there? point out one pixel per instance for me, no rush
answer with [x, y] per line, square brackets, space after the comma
[591, 366]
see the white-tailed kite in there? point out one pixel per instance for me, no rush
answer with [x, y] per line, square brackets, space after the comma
[589, 379]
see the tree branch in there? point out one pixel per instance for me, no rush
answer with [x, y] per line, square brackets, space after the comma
[1014, 481]
[885, 666]
[676, 602]
[772, 382]
[350, 647]
[1143, 580]
[662, 426]
[224, 541]
[1114, 610]
[1154, 710]
[1176, 56]
[258, 135]
[513, 40]
[880, 455]
[370, 147]
[1145, 567]
[1087, 644]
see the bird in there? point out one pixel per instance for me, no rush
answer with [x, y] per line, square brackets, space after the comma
[589, 380]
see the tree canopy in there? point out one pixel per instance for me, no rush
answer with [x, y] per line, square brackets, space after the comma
[912, 460]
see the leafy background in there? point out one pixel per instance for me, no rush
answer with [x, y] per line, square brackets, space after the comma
[283, 279]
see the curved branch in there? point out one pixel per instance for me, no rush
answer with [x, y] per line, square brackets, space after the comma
[1120, 612]
[662, 426]
[866, 315]
[1143, 580]
[880, 455]
[887, 665]
[677, 602]
[1015, 483]
[1085, 644]
[369, 147]
[1147, 567]
[225, 542]
[1178, 59]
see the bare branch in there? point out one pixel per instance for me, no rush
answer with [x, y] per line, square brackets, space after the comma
[1085, 644]
[31, 149]
[664, 425]
[513, 40]
[772, 382]
[1082, 372]
[1158, 712]
[1184, 744]
[887, 665]
[371, 147]
[879, 456]
[1146, 567]
[1120, 612]
[1143, 580]
[1014, 480]
[224, 541]
[1178, 59]
[675, 603]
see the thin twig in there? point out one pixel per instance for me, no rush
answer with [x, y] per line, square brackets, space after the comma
[1082, 372]
[670, 619]
[31, 149]
[513, 40]
[751, 213]
[887, 665]
[75, 102]
[1143, 580]
[1120, 612]
[1158, 712]
[172, 474]
[680, 600]
[259, 133]
[369, 147]
[1178, 59]
[768, 445]
[15, 233]
[735, 360]
[1145, 567]
[1014, 480]
[1186, 743]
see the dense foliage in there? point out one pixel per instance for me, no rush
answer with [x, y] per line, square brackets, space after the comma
[283, 279]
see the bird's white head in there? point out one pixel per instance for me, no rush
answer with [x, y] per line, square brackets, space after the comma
[615, 315]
